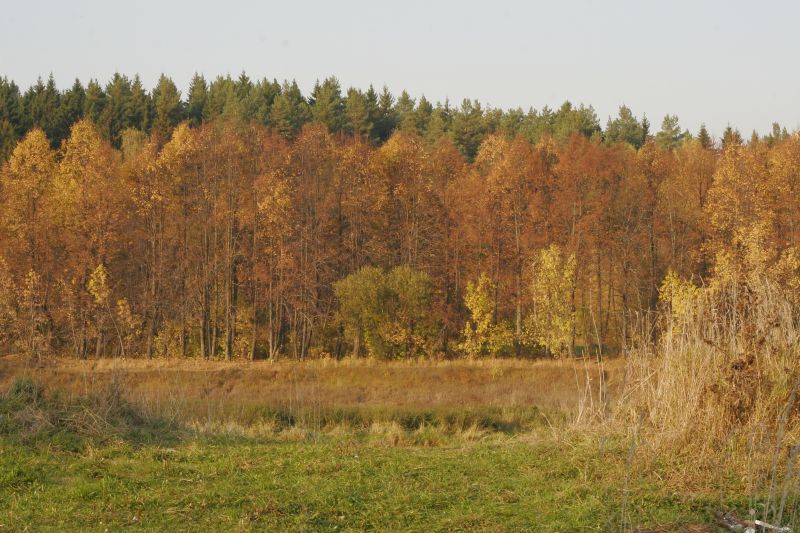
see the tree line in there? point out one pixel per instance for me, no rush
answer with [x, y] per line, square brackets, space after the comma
[247, 221]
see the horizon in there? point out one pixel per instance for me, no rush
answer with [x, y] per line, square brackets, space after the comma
[603, 56]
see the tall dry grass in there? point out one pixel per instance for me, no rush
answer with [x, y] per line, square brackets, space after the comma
[717, 392]
[319, 396]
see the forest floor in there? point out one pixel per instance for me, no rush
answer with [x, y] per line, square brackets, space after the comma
[169, 445]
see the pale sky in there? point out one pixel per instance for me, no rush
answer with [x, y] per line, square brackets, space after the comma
[714, 61]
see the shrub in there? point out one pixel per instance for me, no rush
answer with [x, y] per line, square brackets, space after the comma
[389, 312]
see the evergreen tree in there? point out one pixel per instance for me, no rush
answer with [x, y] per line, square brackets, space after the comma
[243, 89]
[168, 107]
[705, 139]
[94, 102]
[8, 139]
[115, 117]
[625, 128]
[404, 111]
[670, 135]
[290, 110]
[373, 112]
[568, 120]
[327, 106]
[469, 128]
[439, 123]
[40, 105]
[493, 118]
[731, 137]
[511, 122]
[262, 96]
[196, 102]
[71, 110]
[422, 115]
[139, 106]
[386, 120]
[221, 99]
[11, 106]
[357, 114]
[537, 125]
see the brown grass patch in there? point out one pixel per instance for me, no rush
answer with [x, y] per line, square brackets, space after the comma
[217, 391]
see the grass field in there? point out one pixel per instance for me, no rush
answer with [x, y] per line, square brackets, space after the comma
[324, 446]
[335, 483]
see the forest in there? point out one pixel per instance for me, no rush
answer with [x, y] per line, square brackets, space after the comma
[245, 220]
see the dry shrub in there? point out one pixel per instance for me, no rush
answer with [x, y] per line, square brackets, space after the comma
[718, 386]
[30, 412]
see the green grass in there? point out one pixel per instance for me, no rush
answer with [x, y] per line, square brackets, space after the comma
[99, 463]
[349, 482]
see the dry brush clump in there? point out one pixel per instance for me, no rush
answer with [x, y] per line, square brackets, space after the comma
[30, 413]
[718, 388]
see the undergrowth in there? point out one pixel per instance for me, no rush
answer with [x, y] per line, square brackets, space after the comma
[31, 415]
[714, 401]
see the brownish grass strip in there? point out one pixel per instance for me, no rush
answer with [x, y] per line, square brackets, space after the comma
[553, 385]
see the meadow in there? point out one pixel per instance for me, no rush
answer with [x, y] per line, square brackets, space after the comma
[352, 445]
[689, 431]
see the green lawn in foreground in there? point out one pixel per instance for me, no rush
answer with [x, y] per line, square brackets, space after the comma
[344, 482]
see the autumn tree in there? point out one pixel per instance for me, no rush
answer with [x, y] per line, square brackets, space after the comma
[363, 298]
[552, 320]
[388, 312]
[273, 232]
[481, 335]
[26, 188]
[92, 213]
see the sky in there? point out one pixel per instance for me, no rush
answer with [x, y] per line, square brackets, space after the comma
[716, 62]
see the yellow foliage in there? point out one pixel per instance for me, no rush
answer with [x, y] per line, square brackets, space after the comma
[98, 285]
[679, 294]
[24, 183]
[753, 214]
[552, 321]
[478, 330]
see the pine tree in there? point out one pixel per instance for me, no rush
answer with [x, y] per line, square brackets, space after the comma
[568, 120]
[625, 128]
[327, 106]
[94, 101]
[11, 106]
[468, 128]
[422, 115]
[196, 102]
[404, 111]
[290, 111]
[705, 139]
[73, 103]
[168, 107]
[670, 135]
[221, 98]
[139, 107]
[40, 105]
[243, 89]
[262, 96]
[439, 123]
[731, 137]
[357, 114]
[115, 117]
[386, 120]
